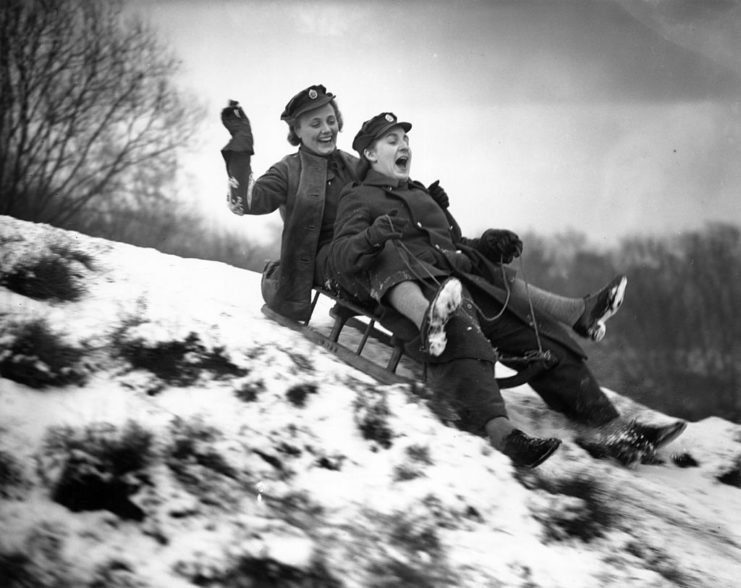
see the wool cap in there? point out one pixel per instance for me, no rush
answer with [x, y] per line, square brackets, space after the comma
[306, 100]
[375, 128]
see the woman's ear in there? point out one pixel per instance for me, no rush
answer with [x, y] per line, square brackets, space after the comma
[370, 155]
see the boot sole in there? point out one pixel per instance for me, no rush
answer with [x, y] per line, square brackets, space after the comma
[447, 300]
[597, 333]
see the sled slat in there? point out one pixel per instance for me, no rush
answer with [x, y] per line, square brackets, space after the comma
[343, 353]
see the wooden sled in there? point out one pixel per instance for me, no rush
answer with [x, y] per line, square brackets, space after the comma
[346, 313]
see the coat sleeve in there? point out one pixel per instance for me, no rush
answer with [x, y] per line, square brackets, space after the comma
[351, 249]
[249, 196]
[269, 192]
[468, 242]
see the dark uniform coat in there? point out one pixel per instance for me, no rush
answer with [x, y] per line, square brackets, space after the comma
[432, 245]
[431, 249]
[298, 185]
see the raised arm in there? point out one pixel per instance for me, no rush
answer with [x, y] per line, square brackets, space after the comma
[245, 194]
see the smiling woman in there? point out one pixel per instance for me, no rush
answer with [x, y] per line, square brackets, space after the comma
[305, 187]
[316, 130]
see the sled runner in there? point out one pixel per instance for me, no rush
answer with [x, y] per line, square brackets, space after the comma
[346, 313]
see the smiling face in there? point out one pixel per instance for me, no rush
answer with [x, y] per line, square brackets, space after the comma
[391, 155]
[317, 130]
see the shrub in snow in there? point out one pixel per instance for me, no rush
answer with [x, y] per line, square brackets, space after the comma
[192, 443]
[415, 556]
[296, 508]
[200, 467]
[371, 413]
[177, 362]
[732, 474]
[116, 573]
[98, 467]
[259, 571]
[265, 571]
[52, 275]
[415, 534]
[16, 569]
[655, 558]
[418, 456]
[684, 460]
[12, 479]
[331, 462]
[36, 559]
[298, 394]
[34, 355]
[70, 252]
[249, 391]
[578, 507]
[402, 574]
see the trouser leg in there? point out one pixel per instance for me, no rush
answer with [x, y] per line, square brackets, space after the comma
[469, 387]
[463, 375]
[569, 387]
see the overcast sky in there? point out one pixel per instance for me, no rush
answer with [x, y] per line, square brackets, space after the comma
[606, 116]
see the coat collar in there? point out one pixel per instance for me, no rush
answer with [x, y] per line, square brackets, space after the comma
[342, 158]
[373, 178]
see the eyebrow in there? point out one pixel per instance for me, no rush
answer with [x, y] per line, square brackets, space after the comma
[319, 118]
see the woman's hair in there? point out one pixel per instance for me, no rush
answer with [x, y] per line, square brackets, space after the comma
[292, 122]
[363, 167]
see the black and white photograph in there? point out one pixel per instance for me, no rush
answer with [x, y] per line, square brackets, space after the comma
[383, 294]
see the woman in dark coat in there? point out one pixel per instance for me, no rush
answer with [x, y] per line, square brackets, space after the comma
[305, 187]
[390, 233]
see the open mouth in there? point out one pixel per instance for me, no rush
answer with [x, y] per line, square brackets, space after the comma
[402, 162]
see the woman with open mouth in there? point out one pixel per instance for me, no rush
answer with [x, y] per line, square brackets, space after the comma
[453, 301]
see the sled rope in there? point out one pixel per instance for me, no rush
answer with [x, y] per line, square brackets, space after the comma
[402, 248]
[530, 304]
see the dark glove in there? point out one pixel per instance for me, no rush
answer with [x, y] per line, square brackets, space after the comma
[234, 118]
[438, 194]
[386, 227]
[500, 245]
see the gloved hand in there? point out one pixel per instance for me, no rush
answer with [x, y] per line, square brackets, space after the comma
[438, 194]
[234, 118]
[500, 245]
[386, 227]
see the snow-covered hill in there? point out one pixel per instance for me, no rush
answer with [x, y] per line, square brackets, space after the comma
[156, 430]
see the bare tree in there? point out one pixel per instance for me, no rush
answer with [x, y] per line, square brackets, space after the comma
[86, 99]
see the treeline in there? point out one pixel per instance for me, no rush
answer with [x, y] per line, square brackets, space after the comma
[93, 129]
[676, 343]
[179, 230]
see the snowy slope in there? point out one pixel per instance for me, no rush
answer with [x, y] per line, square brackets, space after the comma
[274, 464]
